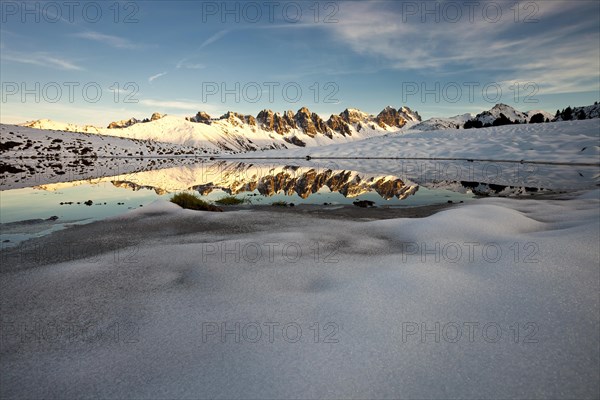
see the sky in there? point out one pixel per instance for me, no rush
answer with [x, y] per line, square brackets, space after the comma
[95, 62]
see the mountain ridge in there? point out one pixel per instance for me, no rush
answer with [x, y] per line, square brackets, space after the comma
[236, 132]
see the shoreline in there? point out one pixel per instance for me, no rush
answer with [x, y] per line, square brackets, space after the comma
[146, 224]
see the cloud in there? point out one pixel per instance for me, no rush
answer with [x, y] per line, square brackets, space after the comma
[557, 55]
[42, 59]
[214, 38]
[153, 77]
[185, 64]
[110, 40]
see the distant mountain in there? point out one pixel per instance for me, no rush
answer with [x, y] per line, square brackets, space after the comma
[439, 123]
[237, 132]
[537, 116]
[61, 126]
[499, 110]
[502, 114]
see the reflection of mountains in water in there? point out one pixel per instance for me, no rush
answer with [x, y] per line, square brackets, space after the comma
[348, 183]
[238, 178]
[135, 187]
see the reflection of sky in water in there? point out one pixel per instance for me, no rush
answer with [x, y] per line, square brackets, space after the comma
[41, 203]
[30, 203]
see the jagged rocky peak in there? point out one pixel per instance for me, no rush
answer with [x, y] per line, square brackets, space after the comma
[132, 121]
[274, 122]
[304, 119]
[200, 116]
[156, 116]
[311, 123]
[266, 118]
[236, 119]
[123, 123]
[338, 124]
[350, 116]
[409, 114]
[353, 116]
[390, 117]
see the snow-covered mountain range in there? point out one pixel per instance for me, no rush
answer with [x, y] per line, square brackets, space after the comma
[238, 133]
[268, 130]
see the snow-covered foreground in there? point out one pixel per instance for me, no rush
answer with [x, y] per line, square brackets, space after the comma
[494, 299]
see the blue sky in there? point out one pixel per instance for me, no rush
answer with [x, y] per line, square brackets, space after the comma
[178, 57]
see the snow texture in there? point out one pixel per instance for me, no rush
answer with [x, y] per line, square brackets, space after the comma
[174, 283]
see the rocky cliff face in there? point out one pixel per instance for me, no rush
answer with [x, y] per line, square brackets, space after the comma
[132, 121]
[338, 124]
[393, 118]
[156, 116]
[200, 116]
[275, 122]
[237, 119]
[123, 123]
[311, 123]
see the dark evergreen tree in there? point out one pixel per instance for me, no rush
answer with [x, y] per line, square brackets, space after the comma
[473, 123]
[537, 119]
[502, 120]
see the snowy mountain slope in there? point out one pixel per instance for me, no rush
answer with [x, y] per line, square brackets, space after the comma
[438, 123]
[19, 141]
[567, 141]
[473, 160]
[48, 124]
[490, 116]
[268, 130]
[30, 156]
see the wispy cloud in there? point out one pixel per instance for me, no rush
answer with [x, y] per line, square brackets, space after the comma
[214, 38]
[154, 77]
[42, 59]
[565, 60]
[109, 40]
[185, 63]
